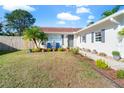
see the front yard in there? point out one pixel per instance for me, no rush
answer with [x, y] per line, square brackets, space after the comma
[48, 69]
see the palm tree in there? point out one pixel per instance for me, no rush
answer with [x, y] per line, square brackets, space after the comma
[34, 34]
[110, 12]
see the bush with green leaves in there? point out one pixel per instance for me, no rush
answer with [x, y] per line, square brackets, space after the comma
[36, 50]
[102, 54]
[120, 74]
[101, 64]
[74, 50]
[115, 53]
[49, 49]
[60, 49]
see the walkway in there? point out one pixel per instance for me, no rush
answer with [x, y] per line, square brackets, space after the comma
[111, 62]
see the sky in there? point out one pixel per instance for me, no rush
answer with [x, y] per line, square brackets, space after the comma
[75, 16]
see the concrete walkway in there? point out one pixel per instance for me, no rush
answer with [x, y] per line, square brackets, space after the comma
[111, 62]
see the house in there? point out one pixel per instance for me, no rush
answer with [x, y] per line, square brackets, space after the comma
[102, 36]
[63, 36]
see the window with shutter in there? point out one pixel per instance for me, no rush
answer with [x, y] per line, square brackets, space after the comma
[100, 36]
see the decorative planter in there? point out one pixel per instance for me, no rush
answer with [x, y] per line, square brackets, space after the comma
[117, 57]
[94, 52]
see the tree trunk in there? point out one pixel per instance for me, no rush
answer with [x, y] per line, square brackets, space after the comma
[35, 42]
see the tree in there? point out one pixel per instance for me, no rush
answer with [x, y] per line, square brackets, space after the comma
[1, 28]
[121, 32]
[34, 34]
[18, 20]
[110, 12]
[121, 35]
[90, 23]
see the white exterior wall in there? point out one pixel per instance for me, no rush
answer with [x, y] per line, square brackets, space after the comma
[111, 38]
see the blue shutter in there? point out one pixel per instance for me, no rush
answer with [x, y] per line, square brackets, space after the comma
[103, 35]
[85, 38]
[80, 38]
[92, 37]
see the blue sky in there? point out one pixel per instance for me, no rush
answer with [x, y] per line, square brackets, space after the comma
[61, 15]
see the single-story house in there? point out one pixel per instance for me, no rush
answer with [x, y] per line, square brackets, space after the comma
[101, 36]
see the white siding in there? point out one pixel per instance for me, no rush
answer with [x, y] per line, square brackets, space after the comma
[111, 38]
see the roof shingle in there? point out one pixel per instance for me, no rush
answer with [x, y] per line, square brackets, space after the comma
[55, 29]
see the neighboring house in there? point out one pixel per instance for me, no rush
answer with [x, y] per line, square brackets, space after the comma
[102, 35]
[63, 36]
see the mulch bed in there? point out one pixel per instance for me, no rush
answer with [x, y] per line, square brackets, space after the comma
[109, 73]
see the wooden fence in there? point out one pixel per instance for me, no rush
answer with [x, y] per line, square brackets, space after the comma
[14, 43]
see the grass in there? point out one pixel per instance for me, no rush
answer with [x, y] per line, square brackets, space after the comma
[49, 69]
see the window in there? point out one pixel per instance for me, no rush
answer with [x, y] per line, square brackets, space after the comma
[62, 39]
[100, 36]
[84, 38]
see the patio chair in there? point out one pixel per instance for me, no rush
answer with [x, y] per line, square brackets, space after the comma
[58, 45]
[49, 45]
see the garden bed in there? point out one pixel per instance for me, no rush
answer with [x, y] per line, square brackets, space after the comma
[108, 73]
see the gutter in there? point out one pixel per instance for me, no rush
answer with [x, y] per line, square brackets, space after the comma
[114, 21]
[103, 20]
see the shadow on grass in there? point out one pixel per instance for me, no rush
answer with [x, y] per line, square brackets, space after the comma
[7, 51]
[5, 48]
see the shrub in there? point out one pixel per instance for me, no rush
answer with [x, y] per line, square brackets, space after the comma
[74, 50]
[35, 50]
[120, 74]
[48, 49]
[88, 50]
[94, 51]
[101, 64]
[60, 49]
[102, 54]
[115, 53]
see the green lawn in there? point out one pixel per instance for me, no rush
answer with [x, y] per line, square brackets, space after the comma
[51, 69]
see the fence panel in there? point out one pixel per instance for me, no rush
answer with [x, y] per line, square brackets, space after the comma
[14, 43]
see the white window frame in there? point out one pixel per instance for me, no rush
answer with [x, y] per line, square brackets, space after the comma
[98, 36]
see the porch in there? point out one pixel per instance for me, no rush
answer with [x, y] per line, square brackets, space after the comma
[59, 41]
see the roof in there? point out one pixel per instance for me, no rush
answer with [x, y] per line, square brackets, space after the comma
[101, 21]
[58, 30]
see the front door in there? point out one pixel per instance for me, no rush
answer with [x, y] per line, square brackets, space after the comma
[70, 41]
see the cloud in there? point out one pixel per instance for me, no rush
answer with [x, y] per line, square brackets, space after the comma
[91, 17]
[61, 22]
[80, 5]
[13, 7]
[67, 16]
[82, 10]
[88, 21]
